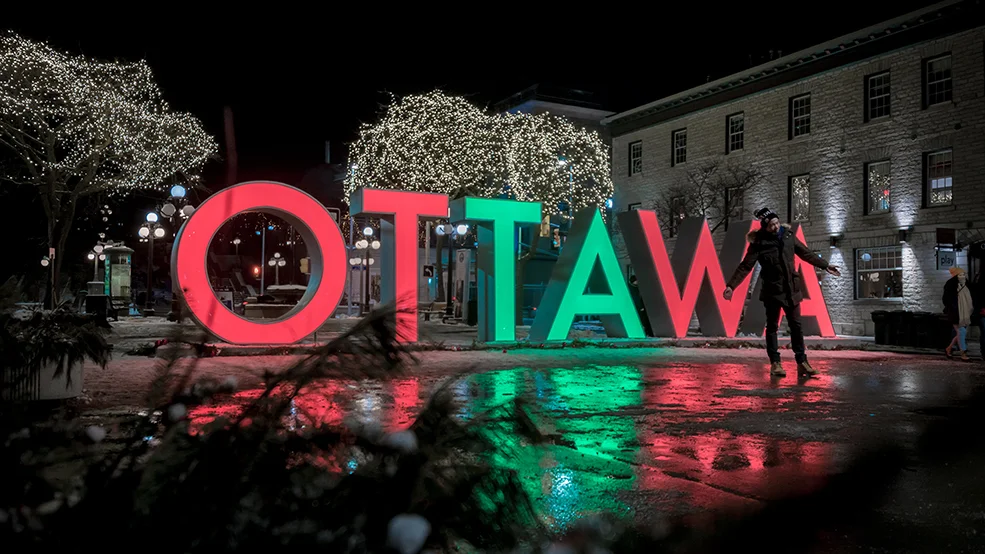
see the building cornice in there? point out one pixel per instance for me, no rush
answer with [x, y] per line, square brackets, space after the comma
[942, 19]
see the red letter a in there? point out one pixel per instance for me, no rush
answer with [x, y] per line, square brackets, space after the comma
[670, 304]
[813, 310]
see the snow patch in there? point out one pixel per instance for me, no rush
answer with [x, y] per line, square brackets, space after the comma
[407, 533]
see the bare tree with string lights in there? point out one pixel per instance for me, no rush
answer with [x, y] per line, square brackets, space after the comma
[79, 127]
[439, 143]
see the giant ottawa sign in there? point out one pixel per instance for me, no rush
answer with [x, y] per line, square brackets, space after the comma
[672, 288]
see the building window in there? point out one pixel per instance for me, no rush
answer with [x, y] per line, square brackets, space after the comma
[800, 198]
[878, 188]
[734, 203]
[877, 96]
[679, 143]
[879, 272]
[939, 178]
[937, 87]
[736, 138]
[800, 115]
[636, 157]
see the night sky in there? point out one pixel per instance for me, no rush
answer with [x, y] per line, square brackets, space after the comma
[295, 78]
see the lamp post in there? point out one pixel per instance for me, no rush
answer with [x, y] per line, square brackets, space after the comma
[292, 241]
[366, 245]
[177, 205]
[452, 232]
[236, 243]
[276, 262]
[96, 256]
[150, 231]
[563, 162]
[263, 254]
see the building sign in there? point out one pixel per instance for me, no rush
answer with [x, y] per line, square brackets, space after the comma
[669, 305]
[946, 259]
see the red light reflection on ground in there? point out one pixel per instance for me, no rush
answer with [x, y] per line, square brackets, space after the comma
[708, 392]
[327, 403]
[693, 451]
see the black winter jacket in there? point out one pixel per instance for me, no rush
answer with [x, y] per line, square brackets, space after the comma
[776, 260]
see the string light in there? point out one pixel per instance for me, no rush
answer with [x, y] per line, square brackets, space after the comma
[438, 143]
[83, 126]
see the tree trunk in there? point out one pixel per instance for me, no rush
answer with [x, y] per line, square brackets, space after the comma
[439, 269]
[59, 228]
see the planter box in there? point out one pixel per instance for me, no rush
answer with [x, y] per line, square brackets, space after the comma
[21, 385]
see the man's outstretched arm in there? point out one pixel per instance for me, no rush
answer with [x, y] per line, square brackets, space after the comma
[805, 254]
[741, 272]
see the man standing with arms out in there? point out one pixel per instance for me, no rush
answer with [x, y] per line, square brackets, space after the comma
[774, 247]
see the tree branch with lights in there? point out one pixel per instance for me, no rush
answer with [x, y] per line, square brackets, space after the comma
[80, 127]
[443, 144]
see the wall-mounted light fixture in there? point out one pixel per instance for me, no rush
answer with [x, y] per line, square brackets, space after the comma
[904, 234]
[835, 239]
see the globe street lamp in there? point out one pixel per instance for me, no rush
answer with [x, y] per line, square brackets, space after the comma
[96, 255]
[150, 231]
[365, 261]
[459, 230]
[277, 262]
[177, 206]
[236, 243]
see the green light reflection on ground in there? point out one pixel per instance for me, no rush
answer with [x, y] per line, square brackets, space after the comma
[591, 406]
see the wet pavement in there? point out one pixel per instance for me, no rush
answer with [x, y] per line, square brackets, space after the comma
[654, 432]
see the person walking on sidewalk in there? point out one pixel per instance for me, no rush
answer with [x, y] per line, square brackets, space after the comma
[958, 305]
[773, 246]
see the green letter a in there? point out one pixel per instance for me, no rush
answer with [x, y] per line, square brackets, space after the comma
[565, 295]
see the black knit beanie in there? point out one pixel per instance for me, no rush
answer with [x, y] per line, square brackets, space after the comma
[765, 215]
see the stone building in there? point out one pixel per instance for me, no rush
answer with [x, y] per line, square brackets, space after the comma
[872, 142]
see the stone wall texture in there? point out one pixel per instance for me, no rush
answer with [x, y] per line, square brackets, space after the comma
[835, 152]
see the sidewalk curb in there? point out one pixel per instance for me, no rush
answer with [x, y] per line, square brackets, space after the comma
[228, 350]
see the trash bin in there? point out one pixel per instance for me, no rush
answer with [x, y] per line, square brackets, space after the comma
[894, 320]
[923, 329]
[97, 304]
[905, 330]
[881, 320]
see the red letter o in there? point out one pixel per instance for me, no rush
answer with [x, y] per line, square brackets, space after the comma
[310, 219]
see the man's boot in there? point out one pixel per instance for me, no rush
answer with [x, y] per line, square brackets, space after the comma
[805, 368]
[776, 369]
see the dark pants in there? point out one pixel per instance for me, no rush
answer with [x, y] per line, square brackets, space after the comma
[980, 322]
[796, 331]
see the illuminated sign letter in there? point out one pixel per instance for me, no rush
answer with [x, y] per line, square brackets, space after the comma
[565, 296]
[315, 225]
[813, 310]
[400, 214]
[673, 290]
[496, 221]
